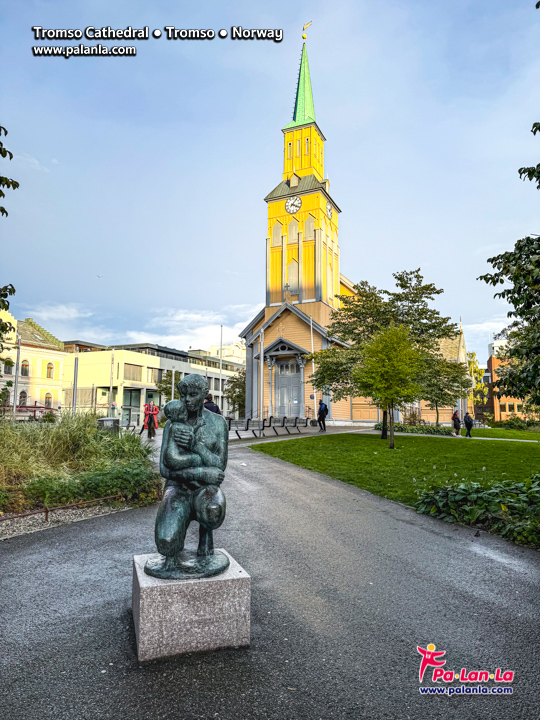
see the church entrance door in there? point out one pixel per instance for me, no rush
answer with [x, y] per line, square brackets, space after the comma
[288, 388]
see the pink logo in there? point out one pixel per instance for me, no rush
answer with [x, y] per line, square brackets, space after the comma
[429, 658]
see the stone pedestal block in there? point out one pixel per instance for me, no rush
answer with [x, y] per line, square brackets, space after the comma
[173, 617]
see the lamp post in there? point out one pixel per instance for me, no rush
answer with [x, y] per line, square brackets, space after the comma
[111, 383]
[16, 381]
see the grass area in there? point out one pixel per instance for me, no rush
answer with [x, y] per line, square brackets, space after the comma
[416, 464]
[53, 464]
[505, 433]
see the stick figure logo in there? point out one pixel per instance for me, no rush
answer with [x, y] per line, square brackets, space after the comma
[429, 659]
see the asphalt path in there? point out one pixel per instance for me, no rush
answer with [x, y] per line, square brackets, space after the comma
[345, 585]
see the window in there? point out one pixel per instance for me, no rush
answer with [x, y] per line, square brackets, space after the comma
[293, 232]
[309, 228]
[5, 402]
[502, 407]
[298, 147]
[50, 370]
[153, 375]
[216, 384]
[25, 368]
[8, 369]
[292, 277]
[23, 397]
[133, 372]
[276, 235]
[520, 408]
[289, 150]
[48, 400]
[510, 407]
[307, 146]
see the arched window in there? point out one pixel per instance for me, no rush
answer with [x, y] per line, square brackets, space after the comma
[50, 370]
[25, 368]
[8, 369]
[23, 397]
[48, 400]
[310, 228]
[6, 398]
[307, 146]
[293, 232]
[276, 234]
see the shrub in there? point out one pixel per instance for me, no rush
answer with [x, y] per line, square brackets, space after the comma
[34, 450]
[515, 423]
[131, 480]
[510, 509]
[48, 417]
[420, 429]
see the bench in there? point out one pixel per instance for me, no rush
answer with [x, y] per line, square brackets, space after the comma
[287, 422]
[248, 425]
[255, 425]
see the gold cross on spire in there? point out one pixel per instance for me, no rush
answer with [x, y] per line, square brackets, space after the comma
[305, 28]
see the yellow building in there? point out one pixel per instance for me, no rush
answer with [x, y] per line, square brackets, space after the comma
[302, 280]
[37, 378]
[133, 372]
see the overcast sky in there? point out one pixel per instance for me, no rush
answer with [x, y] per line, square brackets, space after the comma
[150, 171]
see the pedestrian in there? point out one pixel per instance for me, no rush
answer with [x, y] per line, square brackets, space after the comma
[457, 422]
[150, 419]
[469, 422]
[322, 412]
[209, 404]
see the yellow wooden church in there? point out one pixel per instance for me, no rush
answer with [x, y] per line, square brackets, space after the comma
[302, 280]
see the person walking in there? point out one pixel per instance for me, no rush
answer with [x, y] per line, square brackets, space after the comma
[150, 419]
[322, 412]
[469, 422]
[457, 422]
[209, 404]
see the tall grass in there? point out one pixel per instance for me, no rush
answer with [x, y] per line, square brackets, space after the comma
[73, 445]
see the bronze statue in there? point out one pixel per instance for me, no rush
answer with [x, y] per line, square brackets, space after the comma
[193, 461]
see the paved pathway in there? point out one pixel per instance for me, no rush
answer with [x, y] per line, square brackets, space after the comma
[345, 585]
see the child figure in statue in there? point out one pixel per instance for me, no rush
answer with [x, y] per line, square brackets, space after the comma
[193, 462]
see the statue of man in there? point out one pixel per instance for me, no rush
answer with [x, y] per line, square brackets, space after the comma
[193, 462]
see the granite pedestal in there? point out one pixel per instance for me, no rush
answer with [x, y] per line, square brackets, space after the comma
[173, 617]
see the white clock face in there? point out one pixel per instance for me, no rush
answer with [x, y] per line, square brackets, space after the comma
[329, 209]
[293, 205]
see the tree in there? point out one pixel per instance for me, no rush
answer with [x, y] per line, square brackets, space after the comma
[519, 268]
[479, 390]
[165, 384]
[389, 371]
[372, 310]
[5, 329]
[4, 181]
[443, 382]
[235, 392]
[7, 290]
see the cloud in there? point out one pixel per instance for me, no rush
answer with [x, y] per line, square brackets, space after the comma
[197, 329]
[59, 312]
[32, 162]
[480, 334]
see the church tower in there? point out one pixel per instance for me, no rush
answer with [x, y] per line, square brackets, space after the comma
[302, 274]
[302, 251]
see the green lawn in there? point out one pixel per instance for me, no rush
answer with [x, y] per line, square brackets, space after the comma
[417, 463]
[505, 433]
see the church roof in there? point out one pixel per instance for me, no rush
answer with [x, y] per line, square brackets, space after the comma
[305, 185]
[304, 110]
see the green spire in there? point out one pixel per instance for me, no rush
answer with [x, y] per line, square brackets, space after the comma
[304, 110]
